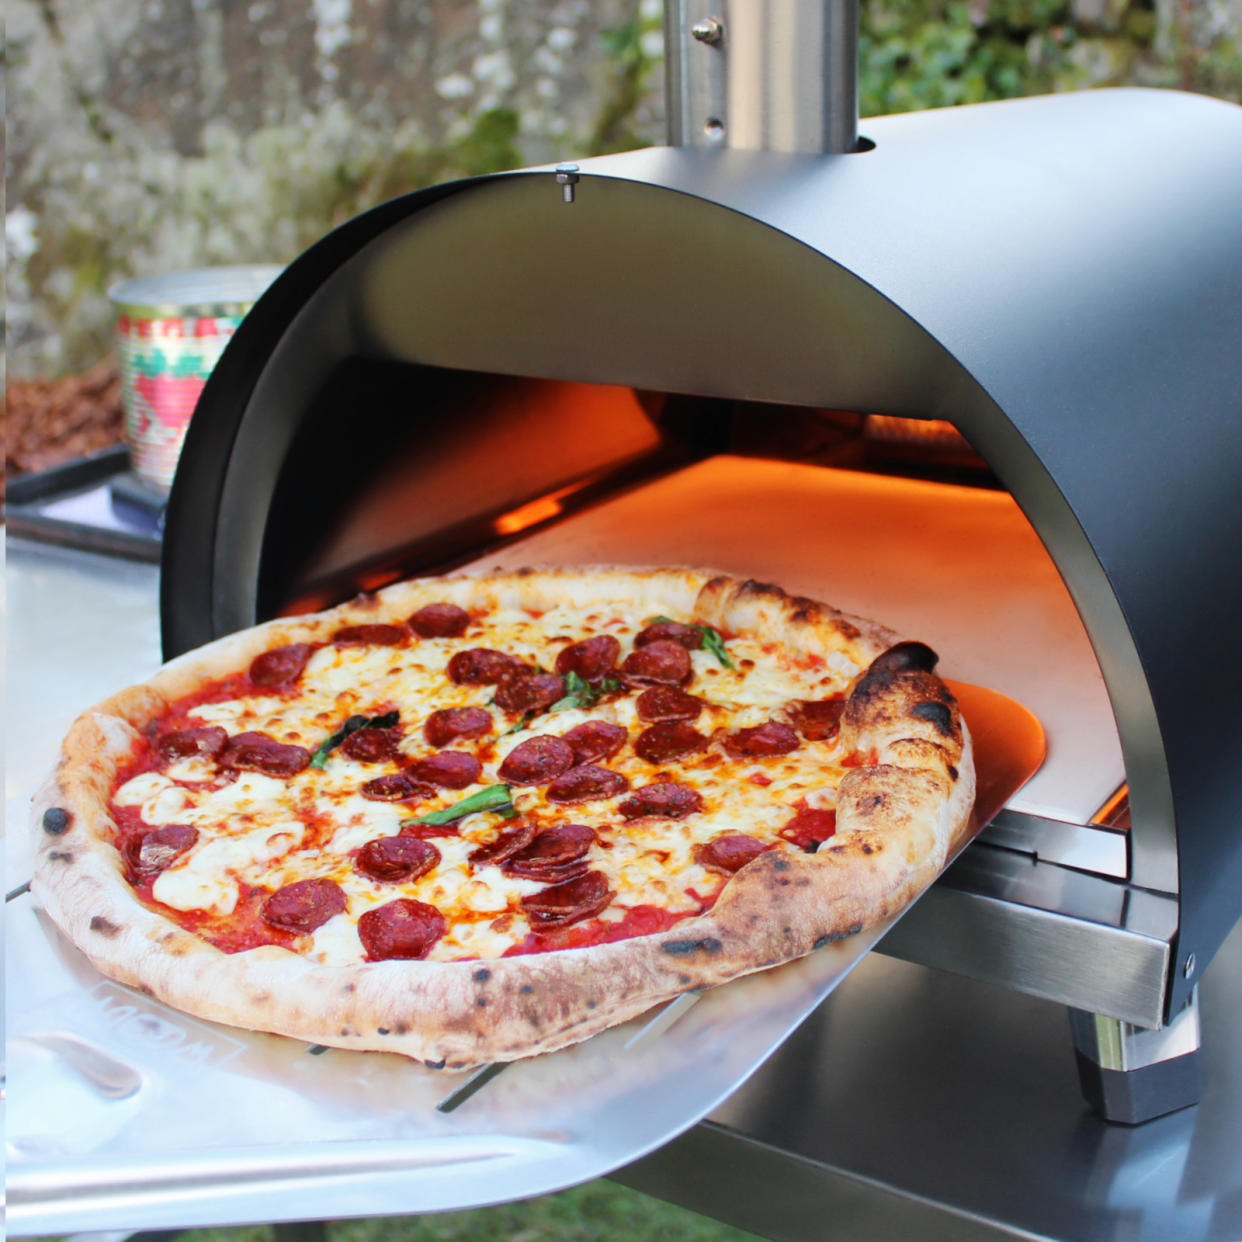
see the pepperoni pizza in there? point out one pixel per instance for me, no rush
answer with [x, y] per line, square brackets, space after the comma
[485, 816]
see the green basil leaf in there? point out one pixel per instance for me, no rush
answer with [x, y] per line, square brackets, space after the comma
[352, 725]
[493, 798]
[711, 639]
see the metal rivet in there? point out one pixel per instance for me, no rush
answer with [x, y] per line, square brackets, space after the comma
[709, 30]
[1188, 968]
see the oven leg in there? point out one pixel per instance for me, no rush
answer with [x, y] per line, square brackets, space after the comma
[1131, 1074]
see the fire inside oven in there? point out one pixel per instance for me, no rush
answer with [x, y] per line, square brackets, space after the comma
[895, 519]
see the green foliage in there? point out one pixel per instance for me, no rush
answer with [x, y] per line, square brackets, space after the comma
[490, 146]
[916, 54]
[616, 128]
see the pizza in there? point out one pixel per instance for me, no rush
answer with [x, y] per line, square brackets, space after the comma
[484, 816]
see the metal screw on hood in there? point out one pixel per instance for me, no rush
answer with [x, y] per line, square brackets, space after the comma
[567, 178]
[709, 30]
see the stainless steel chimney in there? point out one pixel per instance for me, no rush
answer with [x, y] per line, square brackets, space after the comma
[772, 75]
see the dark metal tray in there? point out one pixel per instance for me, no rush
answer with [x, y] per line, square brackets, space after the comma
[95, 503]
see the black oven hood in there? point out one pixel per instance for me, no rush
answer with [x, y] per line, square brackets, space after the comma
[1061, 278]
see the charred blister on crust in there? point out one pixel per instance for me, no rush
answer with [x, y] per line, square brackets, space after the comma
[105, 927]
[60, 856]
[686, 948]
[482, 975]
[56, 821]
[907, 657]
[937, 715]
[833, 936]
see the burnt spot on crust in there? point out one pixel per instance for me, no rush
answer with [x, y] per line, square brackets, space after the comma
[872, 802]
[868, 848]
[482, 975]
[61, 856]
[905, 658]
[590, 1004]
[686, 948]
[937, 715]
[832, 937]
[481, 1002]
[952, 773]
[402, 1028]
[526, 989]
[435, 1064]
[348, 989]
[382, 1030]
[56, 821]
[104, 927]
[780, 864]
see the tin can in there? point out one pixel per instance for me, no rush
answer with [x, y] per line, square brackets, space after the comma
[171, 330]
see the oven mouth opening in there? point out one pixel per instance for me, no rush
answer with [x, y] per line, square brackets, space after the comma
[882, 515]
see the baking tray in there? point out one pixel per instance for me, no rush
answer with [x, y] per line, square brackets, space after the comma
[95, 503]
[124, 1114]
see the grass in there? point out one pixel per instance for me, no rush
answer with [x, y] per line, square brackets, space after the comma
[599, 1211]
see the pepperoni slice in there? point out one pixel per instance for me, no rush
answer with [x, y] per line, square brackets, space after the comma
[389, 859]
[663, 800]
[667, 703]
[689, 636]
[481, 666]
[449, 769]
[256, 752]
[280, 666]
[818, 720]
[592, 659]
[810, 829]
[152, 852]
[772, 738]
[587, 783]
[536, 761]
[209, 740]
[440, 620]
[370, 745]
[670, 739]
[662, 661]
[450, 723]
[511, 839]
[595, 740]
[403, 928]
[398, 787]
[730, 852]
[553, 854]
[529, 692]
[304, 905]
[369, 635]
[568, 902]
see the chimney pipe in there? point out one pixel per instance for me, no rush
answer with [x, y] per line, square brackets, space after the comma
[774, 75]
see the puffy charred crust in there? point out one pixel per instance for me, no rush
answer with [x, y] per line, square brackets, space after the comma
[104, 927]
[898, 697]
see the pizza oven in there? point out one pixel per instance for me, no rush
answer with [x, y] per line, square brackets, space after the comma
[974, 372]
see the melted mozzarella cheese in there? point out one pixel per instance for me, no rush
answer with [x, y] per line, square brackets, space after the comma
[206, 877]
[271, 831]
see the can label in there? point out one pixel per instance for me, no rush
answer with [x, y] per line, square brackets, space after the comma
[165, 363]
